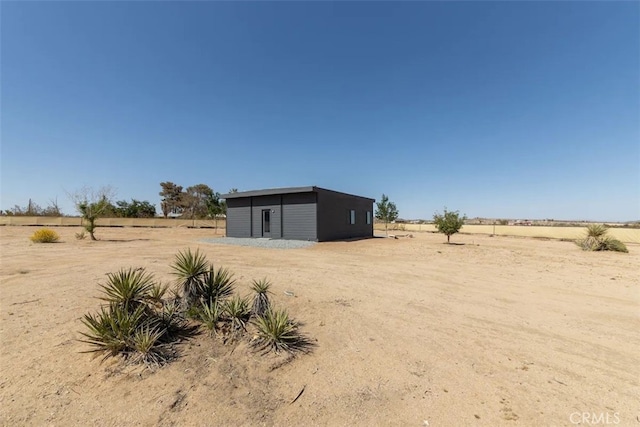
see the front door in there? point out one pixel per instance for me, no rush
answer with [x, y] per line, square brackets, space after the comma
[266, 223]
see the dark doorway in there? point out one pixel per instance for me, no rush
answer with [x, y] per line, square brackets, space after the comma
[266, 223]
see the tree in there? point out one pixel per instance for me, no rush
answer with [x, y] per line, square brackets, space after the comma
[34, 209]
[92, 204]
[386, 211]
[172, 198]
[135, 209]
[449, 223]
[216, 207]
[196, 200]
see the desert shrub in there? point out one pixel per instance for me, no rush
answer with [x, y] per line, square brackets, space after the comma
[236, 310]
[217, 284]
[147, 347]
[142, 320]
[157, 292]
[129, 288]
[209, 314]
[276, 331]
[111, 331]
[598, 240]
[136, 322]
[81, 235]
[190, 268]
[45, 235]
[261, 298]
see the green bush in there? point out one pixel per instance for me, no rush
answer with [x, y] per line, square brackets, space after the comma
[45, 235]
[261, 299]
[236, 310]
[449, 223]
[142, 320]
[276, 331]
[598, 240]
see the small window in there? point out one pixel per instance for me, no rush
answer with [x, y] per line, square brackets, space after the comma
[352, 217]
[368, 217]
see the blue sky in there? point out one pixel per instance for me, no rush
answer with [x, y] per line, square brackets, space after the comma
[497, 109]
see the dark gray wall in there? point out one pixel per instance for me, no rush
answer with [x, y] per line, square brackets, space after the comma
[239, 217]
[267, 202]
[321, 215]
[333, 216]
[299, 216]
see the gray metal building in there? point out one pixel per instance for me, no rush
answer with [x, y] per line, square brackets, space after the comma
[299, 213]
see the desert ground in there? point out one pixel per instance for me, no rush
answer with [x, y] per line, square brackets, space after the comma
[491, 331]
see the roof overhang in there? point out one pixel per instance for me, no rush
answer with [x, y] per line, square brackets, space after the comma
[284, 190]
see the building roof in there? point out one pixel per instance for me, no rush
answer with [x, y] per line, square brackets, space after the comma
[285, 190]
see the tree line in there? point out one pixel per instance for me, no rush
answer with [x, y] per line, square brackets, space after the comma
[195, 202]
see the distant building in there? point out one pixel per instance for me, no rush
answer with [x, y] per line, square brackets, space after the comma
[299, 213]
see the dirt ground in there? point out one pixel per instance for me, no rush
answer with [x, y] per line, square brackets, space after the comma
[411, 332]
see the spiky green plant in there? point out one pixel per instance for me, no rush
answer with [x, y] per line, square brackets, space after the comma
[596, 230]
[157, 292]
[189, 268]
[611, 244]
[236, 309]
[110, 331]
[128, 287]
[209, 315]
[261, 298]
[598, 240]
[170, 320]
[217, 284]
[276, 331]
[147, 348]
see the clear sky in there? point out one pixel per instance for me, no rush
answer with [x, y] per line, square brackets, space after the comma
[496, 109]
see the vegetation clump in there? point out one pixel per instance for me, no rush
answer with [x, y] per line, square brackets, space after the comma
[261, 301]
[45, 235]
[276, 331]
[133, 323]
[449, 223]
[142, 320]
[386, 212]
[597, 239]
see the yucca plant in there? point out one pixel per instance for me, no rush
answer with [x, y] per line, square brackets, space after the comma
[598, 240]
[611, 244]
[147, 348]
[596, 230]
[209, 315]
[45, 235]
[128, 287]
[261, 298]
[111, 330]
[236, 309]
[171, 320]
[190, 267]
[157, 292]
[217, 284]
[276, 331]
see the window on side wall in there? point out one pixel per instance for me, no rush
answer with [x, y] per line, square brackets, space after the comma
[368, 217]
[352, 216]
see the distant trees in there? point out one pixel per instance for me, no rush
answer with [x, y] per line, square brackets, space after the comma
[33, 209]
[195, 202]
[171, 198]
[386, 211]
[92, 204]
[449, 223]
[134, 209]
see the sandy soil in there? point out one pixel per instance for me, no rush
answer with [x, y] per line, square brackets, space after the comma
[493, 331]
